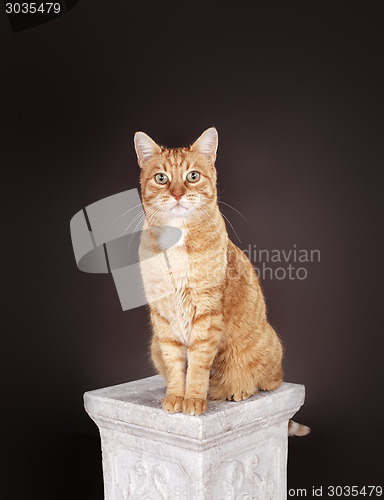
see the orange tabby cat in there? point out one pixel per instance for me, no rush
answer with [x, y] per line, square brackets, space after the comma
[211, 337]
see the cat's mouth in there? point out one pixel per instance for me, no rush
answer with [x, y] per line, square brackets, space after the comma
[179, 209]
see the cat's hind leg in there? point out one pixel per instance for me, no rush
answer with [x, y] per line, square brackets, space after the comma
[239, 372]
[271, 370]
[229, 381]
[273, 381]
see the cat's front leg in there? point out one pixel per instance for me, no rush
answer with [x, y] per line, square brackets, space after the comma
[169, 358]
[174, 357]
[201, 351]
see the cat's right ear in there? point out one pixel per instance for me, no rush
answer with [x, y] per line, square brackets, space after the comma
[145, 147]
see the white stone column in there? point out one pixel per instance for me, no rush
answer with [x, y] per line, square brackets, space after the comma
[237, 450]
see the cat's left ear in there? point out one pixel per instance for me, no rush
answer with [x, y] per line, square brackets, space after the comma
[207, 144]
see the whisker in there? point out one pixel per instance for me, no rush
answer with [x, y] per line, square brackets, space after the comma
[134, 220]
[229, 222]
[207, 214]
[228, 205]
[233, 208]
[153, 213]
[125, 213]
[138, 224]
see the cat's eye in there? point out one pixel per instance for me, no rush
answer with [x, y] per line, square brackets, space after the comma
[193, 176]
[161, 178]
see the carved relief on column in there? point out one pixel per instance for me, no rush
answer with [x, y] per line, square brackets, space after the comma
[130, 472]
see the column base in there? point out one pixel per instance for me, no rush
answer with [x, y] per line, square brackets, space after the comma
[235, 450]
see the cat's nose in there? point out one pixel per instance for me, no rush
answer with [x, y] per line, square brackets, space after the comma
[177, 195]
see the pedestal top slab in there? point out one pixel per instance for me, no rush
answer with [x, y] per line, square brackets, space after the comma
[138, 405]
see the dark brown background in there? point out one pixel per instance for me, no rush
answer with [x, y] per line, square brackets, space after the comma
[296, 95]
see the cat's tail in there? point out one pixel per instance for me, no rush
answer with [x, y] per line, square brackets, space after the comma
[295, 429]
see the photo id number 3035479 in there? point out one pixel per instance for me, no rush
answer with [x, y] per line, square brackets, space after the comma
[32, 7]
[337, 491]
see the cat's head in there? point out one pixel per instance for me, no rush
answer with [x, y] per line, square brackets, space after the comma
[178, 184]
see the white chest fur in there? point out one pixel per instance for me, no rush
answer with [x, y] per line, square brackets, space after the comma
[181, 308]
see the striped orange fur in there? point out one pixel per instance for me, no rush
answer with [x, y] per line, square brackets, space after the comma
[211, 338]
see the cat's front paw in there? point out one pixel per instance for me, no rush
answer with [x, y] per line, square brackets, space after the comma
[172, 404]
[194, 406]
